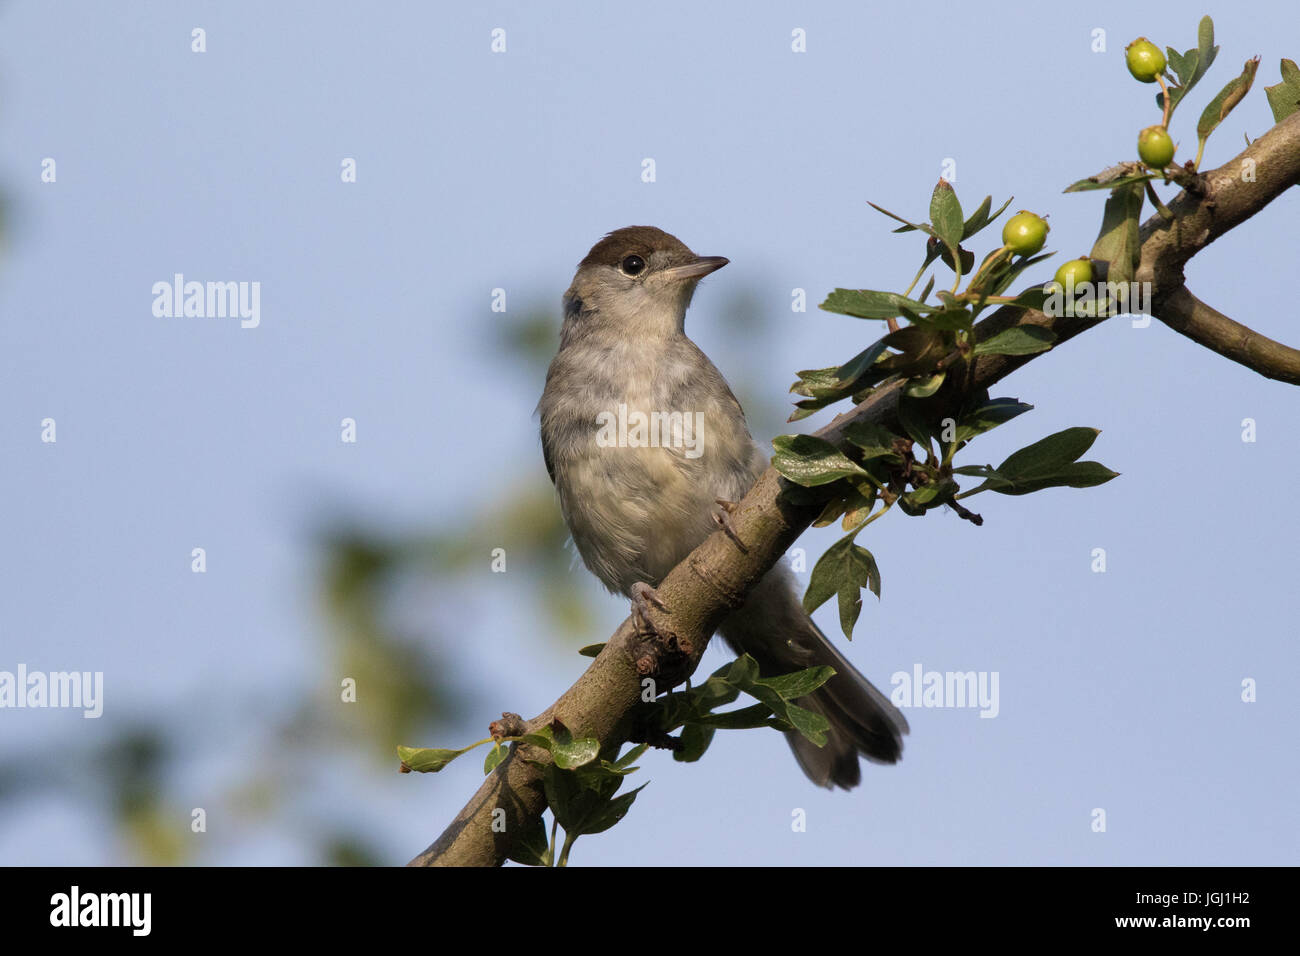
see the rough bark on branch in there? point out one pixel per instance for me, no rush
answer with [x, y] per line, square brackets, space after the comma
[716, 575]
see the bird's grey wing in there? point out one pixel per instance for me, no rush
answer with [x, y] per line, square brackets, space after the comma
[546, 457]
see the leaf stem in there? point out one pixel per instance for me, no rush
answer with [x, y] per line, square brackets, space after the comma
[878, 514]
[920, 272]
[564, 853]
[1165, 212]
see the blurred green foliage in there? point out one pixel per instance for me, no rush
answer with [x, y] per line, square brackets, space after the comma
[368, 583]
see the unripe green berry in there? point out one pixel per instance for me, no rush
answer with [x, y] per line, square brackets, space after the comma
[1145, 61]
[1024, 233]
[1155, 148]
[1074, 273]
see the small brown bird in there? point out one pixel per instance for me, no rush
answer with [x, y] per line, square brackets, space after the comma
[642, 437]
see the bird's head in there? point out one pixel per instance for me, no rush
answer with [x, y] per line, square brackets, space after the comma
[638, 278]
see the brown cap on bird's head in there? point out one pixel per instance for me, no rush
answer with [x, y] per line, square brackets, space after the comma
[636, 240]
[638, 276]
[663, 251]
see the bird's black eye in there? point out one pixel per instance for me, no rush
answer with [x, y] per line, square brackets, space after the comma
[632, 265]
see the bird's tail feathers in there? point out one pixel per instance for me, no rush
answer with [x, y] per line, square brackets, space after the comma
[776, 631]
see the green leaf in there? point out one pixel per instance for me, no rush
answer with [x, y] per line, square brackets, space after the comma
[838, 381]
[1120, 175]
[1206, 50]
[570, 752]
[1050, 462]
[429, 759]
[1117, 243]
[978, 219]
[925, 293]
[937, 249]
[812, 725]
[610, 813]
[1284, 97]
[742, 673]
[925, 386]
[857, 505]
[800, 683]
[875, 441]
[834, 508]
[988, 416]
[911, 226]
[1077, 474]
[1191, 65]
[494, 757]
[1008, 274]
[631, 756]
[1046, 453]
[948, 319]
[1176, 65]
[855, 368]
[746, 718]
[1218, 108]
[981, 218]
[810, 461]
[946, 215]
[923, 496]
[1017, 340]
[531, 848]
[569, 801]
[720, 689]
[1035, 297]
[914, 425]
[543, 739]
[871, 304]
[976, 471]
[592, 650]
[921, 350]
[844, 569]
[695, 738]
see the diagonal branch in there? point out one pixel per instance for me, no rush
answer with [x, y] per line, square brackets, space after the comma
[1203, 324]
[715, 577]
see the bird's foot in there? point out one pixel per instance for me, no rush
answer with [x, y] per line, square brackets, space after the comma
[658, 654]
[723, 521]
[643, 598]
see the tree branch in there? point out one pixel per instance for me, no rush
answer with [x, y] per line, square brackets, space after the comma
[715, 577]
[1205, 325]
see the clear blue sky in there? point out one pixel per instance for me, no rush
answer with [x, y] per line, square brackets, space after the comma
[479, 170]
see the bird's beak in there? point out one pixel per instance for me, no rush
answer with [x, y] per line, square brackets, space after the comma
[701, 266]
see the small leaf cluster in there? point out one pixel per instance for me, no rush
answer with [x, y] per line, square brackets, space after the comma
[695, 709]
[581, 787]
[915, 472]
[939, 332]
[1117, 246]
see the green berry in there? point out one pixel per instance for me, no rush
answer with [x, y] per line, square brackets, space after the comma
[1074, 273]
[1145, 61]
[1155, 148]
[1024, 233]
